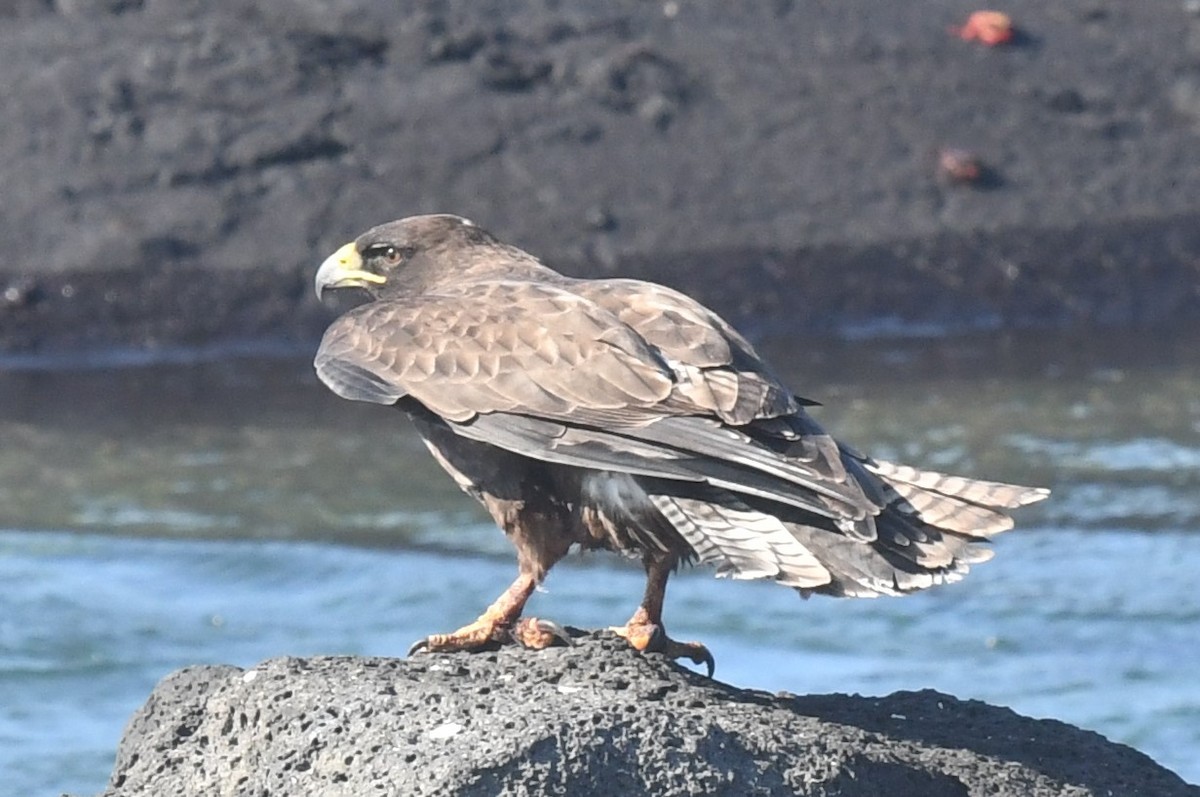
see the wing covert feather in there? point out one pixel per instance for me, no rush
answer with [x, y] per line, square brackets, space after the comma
[494, 347]
[718, 370]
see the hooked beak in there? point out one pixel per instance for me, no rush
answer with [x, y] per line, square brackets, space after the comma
[343, 269]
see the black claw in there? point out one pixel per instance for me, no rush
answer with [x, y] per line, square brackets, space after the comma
[551, 627]
[658, 639]
[420, 644]
[708, 661]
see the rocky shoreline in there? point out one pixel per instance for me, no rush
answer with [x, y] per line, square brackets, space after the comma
[174, 171]
[592, 719]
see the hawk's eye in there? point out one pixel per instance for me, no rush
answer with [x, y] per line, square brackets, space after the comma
[391, 255]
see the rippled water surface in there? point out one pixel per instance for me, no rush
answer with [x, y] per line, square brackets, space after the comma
[231, 511]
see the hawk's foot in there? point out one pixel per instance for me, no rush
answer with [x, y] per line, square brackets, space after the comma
[534, 633]
[652, 638]
[529, 632]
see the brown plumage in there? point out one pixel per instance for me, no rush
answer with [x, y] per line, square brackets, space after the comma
[623, 415]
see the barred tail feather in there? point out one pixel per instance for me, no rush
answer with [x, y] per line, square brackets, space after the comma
[994, 495]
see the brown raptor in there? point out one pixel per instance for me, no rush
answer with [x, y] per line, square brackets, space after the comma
[623, 415]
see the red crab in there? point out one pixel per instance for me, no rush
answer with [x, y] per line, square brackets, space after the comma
[990, 28]
[959, 166]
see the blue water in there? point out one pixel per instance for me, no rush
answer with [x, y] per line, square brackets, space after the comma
[1055, 627]
[232, 513]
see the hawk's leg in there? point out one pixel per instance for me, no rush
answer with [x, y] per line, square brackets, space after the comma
[645, 631]
[499, 624]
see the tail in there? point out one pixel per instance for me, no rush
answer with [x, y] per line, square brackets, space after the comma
[930, 529]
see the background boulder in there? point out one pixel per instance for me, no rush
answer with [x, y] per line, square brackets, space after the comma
[593, 719]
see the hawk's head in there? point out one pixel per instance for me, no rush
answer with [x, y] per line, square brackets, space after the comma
[399, 256]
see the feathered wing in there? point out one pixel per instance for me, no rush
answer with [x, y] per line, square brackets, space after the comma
[495, 347]
[552, 375]
[715, 366]
[636, 379]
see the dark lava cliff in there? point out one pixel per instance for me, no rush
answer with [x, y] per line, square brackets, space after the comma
[174, 170]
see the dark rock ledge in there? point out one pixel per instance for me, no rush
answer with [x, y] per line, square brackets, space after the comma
[595, 719]
[174, 170]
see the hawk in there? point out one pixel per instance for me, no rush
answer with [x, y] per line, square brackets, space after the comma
[622, 415]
